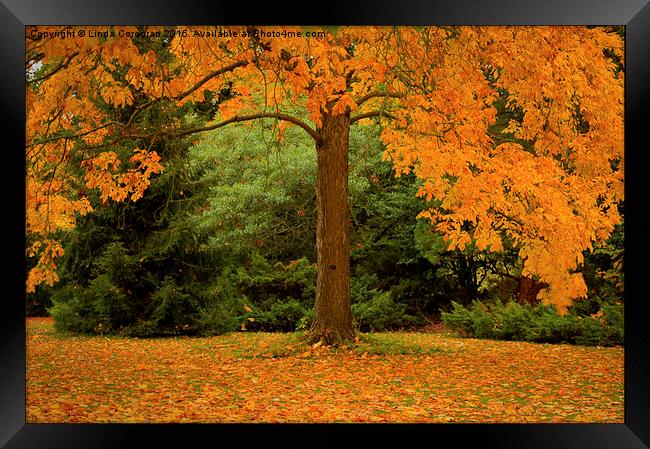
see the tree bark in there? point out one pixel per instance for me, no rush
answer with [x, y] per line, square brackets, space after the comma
[332, 312]
[528, 290]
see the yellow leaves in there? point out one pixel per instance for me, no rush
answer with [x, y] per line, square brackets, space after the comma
[577, 287]
[51, 207]
[558, 79]
[136, 77]
[137, 180]
[495, 244]
[65, 103]
[117, 96]
[276, 47]
[546, 200]
[488, 241]
[343, 104]
[100, 174]
[513, 127]
[247, 308]
[43, 272]
[234, 106]
[105, 161]
[458, 240]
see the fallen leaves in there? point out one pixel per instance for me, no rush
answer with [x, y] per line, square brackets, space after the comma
[253, 377]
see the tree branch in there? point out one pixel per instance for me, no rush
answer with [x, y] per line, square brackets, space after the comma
[376, 93]
[73, 136]
[509, 218]
[245, 118]
[506, 275]
[371, 114]
[61, 65]
[205, 79]
[208, 77]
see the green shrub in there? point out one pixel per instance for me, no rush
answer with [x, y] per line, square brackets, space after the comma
[281, 316]
[379, 312]
[474, 321]
[281, 294]
[72, 311]
[99, 308]
[173, 311]
[614, 315]
[110, 303]
[591, 332]
[549, 327]
[286, 315]
[220, 306]
[539, 323]
[305, 322]
[459, 319]
[216, 319]
[483, 323]
[268, 282]
[514, 322]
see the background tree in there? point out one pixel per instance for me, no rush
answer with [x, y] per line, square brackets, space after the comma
[435, 87]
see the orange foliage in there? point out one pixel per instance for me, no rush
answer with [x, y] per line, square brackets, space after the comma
[553, 202]
[434, 90]
[65, 122]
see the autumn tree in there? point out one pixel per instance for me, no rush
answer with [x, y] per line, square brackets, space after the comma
[550, 181]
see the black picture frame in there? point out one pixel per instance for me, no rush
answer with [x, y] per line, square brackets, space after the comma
[634, 14]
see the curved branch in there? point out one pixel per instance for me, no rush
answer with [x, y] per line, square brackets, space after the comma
[242, 118]
[205, 79]
[245, 118]
[209, 76]
[371, 114]
[73, 136]
[377, 93]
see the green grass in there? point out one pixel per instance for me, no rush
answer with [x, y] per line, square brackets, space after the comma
[278, 345]
[391, 344]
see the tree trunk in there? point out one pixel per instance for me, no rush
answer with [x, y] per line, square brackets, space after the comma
[528, 290]
[332, 311]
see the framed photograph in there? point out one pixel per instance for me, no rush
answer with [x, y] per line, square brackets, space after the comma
[518, 126]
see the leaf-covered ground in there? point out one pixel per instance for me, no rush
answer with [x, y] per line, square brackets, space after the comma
[263, 377]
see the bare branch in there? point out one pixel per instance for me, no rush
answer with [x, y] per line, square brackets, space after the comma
[377, 93]
[205, 79]
[73, 136]
[245, 118]
[371, 114]
[208, 77]
[62, 65]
